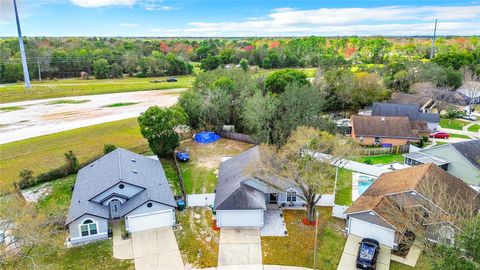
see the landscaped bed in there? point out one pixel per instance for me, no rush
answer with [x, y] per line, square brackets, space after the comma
[297, 248]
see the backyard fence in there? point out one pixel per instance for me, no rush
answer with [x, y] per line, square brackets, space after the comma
[387, 150]
[338, 211]
[237, 136]
[206, 199]
[179, 173]
[326, 200]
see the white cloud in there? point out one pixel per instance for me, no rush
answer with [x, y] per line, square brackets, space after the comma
[103, 3]
[129, 24]
[390, 20]
[154, 7]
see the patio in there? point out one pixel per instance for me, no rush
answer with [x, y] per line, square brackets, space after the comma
[274, 222]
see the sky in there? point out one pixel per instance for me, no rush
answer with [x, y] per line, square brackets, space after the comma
[239, 18]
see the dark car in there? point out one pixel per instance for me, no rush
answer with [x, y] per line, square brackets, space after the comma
[171, 79]
[367, 254]
[440, 135]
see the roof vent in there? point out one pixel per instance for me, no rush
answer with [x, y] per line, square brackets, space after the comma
[91, 165]
[413, 193]
[134, 171]
[371, 213]
[133, 160]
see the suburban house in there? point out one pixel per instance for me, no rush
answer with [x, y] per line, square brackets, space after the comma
[120, 184]
[461, 159]
[242, 195]
[412, 111]
[424, 101]
[415, 191]
[471, 90]
[384, 130]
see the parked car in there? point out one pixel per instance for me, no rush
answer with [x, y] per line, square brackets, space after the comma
[171, 79]
[440, 135]
[470, 117]
[367, 254]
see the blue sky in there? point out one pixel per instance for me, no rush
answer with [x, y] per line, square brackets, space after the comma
[202, 18]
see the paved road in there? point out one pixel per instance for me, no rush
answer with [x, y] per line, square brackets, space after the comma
[41, 117]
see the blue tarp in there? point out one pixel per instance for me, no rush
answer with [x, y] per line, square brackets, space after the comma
[183, 156]
[206, 137]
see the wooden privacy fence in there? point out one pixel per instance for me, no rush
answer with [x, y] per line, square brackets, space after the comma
[237, 136]
[386, 150]
[179, 173]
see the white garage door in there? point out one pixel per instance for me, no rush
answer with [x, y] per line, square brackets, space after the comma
[368, 230]
[240, 218]
[150, 221]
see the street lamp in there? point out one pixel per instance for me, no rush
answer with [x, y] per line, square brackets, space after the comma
[22, 49]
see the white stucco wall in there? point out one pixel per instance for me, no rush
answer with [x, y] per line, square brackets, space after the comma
[128, 191]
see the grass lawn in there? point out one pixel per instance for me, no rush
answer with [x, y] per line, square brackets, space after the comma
[77, 87]
[381, 159]
[172, 176]
[11, 108]
[460, 136]
[453, 124]
[199, 173]
[96, 255]
[296, 249]
[197, 242]
[122, 104]
[423, 263]
[474, 128]
[343, 194]
[44, 153]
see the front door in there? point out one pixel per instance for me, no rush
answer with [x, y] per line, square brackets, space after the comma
[115, 208]
[273, 198]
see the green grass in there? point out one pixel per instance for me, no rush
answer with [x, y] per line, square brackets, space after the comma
[460, 136]
[453, 124]
[77, 87]
[296, 249]
[423, 263]
[172, 176]
[122, 104]
[11, 108]
[381, 159]
[44, 153]
[67, 101]
[198, 180]
[343, 194]
[474, 128]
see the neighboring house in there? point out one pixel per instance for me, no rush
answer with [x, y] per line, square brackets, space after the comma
[380, 130]
[471, 90]
[424, 102]
[120, 184]
[461, 159]
[242, 195]
[411, 189]
[412, 111]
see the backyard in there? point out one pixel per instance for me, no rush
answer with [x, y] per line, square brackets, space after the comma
[296, 249]
[200, 173]
[381, 159]
[78, 87]
[343, 193]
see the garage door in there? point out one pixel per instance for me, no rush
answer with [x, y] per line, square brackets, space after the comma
[150, 221]
[245, 218]
[368, 230]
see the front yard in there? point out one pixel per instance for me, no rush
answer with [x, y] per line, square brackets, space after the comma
[474, 128]
[297, 248]
[453, 124]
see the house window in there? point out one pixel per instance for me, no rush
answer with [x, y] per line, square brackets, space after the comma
[88, 227]
[291, 196]
[377, 140]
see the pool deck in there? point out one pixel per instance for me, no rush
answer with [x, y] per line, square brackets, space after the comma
[355, 179]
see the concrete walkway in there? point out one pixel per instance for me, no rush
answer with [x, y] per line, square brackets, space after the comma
[122, 249]
[349, 255]
[239, 246]
[156, 249]
[412, 256]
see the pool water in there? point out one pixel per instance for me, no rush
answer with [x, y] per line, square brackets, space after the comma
[363, 185]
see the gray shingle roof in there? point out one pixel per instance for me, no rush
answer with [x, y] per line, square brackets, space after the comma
[470, 150]
[115, 167]
[410, 110]
[425, 158]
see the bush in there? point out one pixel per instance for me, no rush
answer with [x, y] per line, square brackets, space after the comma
[107, 148]
[278, 80]
[26, 179]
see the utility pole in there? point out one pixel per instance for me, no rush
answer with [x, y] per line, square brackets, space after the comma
[39, 72]
[315, 247]
[433, 40]
[22, 49]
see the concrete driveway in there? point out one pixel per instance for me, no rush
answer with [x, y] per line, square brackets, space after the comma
[349, 255]
[156, 249]
[239, 246]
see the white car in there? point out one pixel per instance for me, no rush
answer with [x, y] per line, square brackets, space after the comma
[470, 117]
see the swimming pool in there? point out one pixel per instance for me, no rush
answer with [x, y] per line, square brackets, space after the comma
[363, 184]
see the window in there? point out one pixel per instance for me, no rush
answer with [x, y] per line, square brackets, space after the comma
[88, 227]
[291, 196]
[377, 140]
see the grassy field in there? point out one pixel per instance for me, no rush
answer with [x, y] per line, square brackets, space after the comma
[296, 249]
[453, 124]
[197, 242]
[44, 153]
[381, 159]
[474, 128]
[199, 173]
[77, 87]
[343, 194]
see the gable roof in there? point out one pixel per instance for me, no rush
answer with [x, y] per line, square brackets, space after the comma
[465, 89]
[420, 126]
[469, 149]
[417, 99]
[383, 126]
[389, 185]
[412, 111]
[118, 166]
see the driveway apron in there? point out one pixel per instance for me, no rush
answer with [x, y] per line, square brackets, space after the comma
[240, 246]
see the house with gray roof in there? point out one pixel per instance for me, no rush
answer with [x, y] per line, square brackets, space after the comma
[461, 159]
[412, 111]
[120, 184]
[242, 195]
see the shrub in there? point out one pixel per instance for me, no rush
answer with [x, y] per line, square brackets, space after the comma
[107, 148]
[26, 179]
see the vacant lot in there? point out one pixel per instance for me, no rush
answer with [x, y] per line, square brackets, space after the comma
[44, 153]
[77, 87]
[200, 172]
[296, 249]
